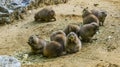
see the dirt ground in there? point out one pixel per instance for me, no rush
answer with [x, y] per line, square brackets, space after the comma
[104, 52]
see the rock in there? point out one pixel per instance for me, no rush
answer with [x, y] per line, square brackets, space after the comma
[3, 9]
[11, 10]
[9, 61]
[4, 20]
[4, 14]
[109, 37]
[26, 2]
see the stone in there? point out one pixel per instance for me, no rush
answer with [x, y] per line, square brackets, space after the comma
[9, 61]
[3, 9]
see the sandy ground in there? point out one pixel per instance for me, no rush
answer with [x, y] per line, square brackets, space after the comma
[104, 52]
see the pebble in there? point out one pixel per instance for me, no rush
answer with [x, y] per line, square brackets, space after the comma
[25, 56]
[109, 37]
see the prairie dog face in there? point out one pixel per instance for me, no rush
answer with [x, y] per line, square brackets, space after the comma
[51, 12]
[36, 42]
[73, 43]
[95, 25]
[33, 40]
[72, 36]
[104, 13]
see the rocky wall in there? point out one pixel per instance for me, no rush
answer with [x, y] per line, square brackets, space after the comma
[11, 10]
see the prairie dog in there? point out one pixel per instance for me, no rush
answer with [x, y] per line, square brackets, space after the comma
[87, 31]
[60, 37]
[53, 49]
[71, 28]
[73, 43]
[46, 14]
[88, 17]
[100, 14]
[37, 44]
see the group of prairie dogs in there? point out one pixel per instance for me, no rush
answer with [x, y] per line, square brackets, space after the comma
[48, 14]
[70, 39]
[59, 44]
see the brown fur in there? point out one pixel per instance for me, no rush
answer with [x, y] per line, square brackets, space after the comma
[87, 31]
[72, 28]
[101, 15]
[85, 12]
[73, 43]
[88, 17]
[37, 44]
[46, 14]
[53, 49]
[60, 37]
[52, 36]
